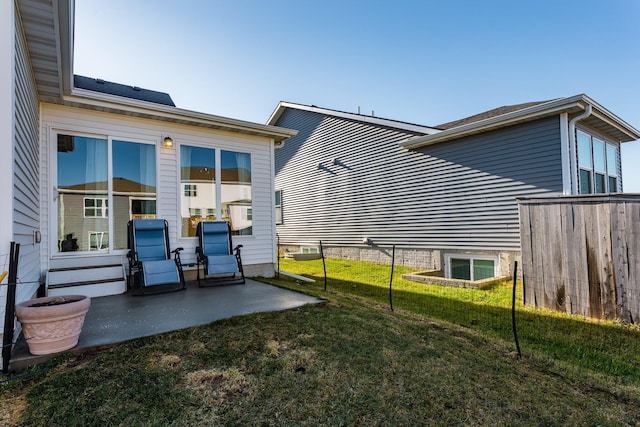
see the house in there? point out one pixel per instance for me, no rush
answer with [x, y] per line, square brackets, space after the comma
[445, 194]
[83, 156]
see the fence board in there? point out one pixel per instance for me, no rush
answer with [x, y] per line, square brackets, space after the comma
[580, 254]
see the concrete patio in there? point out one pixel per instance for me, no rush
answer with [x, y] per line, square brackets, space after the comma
[118, 318]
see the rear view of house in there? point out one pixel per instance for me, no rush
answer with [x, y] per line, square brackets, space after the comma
[83, 156]
[447, 193]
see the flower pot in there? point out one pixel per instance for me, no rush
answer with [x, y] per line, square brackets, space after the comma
[52, 324]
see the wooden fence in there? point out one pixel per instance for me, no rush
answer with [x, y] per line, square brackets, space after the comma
[580, 254]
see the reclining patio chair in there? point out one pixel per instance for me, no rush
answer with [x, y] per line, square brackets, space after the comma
[221, 264]
[151, 268]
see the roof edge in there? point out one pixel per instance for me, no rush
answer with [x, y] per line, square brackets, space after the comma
[283, 105]
[526, 114]
[112, 103]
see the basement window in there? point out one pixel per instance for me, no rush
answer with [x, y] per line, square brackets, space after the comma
[469, 267]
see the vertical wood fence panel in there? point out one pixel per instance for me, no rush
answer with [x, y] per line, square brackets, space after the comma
[580, 254]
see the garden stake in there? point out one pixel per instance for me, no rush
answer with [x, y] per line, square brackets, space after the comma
[393, 261]
[513, 309]
[324, 267]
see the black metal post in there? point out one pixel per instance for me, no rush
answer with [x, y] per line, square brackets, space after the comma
[324, 266]
[513, 308]
[393, 262]
[278, 257]
[10, 308]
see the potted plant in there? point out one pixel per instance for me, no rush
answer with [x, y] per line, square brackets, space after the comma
[52, 324]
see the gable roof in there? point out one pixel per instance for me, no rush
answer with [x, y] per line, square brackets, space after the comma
[396, 124]
[599, 118]
[117, 89]
[488, 114]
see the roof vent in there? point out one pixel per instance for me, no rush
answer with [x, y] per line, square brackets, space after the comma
[100, 81]
[136, 88]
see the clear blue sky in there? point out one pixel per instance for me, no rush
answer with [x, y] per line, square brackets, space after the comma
[425, 62]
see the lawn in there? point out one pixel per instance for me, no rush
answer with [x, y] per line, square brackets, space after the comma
[350, 361]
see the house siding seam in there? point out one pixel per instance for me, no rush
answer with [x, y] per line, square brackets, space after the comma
[454, 196]
[26, 201]
[257, 249]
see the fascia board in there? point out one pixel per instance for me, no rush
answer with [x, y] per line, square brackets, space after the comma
[553, 107]
[112, 103]
[492, 123]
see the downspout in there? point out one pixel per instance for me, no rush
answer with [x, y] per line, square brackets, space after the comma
[572, 147]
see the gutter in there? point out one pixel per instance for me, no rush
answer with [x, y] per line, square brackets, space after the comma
[108, 103]
[572, 147]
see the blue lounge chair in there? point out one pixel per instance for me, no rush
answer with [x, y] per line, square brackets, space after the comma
[221, 263]
[151, 268]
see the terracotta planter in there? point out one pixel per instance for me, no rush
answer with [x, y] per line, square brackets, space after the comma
[52, 328]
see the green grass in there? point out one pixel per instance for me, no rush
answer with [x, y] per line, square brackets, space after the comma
[605, 347]
[350, 361]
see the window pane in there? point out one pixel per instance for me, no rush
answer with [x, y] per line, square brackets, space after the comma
[134, 180]
[236, 191]
[584, 150]
[198, 182]
[82, 179]
[613, 184]
[279, 207]
[600, 183]
[598, 155]
[585, 181]
[461, 269]
[612, 160]
[483, 269]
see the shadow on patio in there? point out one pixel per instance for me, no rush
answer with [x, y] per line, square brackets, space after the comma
[118, 318]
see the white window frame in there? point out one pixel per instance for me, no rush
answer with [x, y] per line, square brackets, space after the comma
[309, 250]
[190, 190]
[278, 207]
[593, 171]
[104, 209]
[449, 257]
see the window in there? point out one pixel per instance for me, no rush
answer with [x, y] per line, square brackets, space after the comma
[98, 178]
[190, 190]
[470, 268]
[278, 206]
[95, 208]
[309, 249]
[235, 191]
[198, 182]
[598, 165]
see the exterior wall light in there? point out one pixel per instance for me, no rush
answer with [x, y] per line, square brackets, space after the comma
[167, 142]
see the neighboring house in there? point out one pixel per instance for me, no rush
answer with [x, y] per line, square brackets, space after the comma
[82, 156]
[447, 193]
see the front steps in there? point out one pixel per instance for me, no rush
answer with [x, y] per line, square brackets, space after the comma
[90, 276]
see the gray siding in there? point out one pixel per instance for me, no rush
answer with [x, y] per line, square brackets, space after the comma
[457, 195]
[26, 206]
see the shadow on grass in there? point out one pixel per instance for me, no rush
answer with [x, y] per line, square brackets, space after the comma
[601, 347]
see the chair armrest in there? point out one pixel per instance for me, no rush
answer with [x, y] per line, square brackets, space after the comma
[177, 250]
[237, 248]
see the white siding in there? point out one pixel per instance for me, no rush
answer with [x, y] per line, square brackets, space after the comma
[257, 249]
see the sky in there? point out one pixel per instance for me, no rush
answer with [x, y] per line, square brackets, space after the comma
[424, 62]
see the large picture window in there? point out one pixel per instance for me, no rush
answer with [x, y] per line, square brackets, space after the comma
[91, 215]
[598, 165]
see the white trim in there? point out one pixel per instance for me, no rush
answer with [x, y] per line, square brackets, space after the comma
[574, 103]
[565, 154]
[471, 257]
[7, 117]
[82, 98]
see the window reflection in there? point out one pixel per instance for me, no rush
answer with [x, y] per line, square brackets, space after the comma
[236, 191]
[82, 194]
[197, 187]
